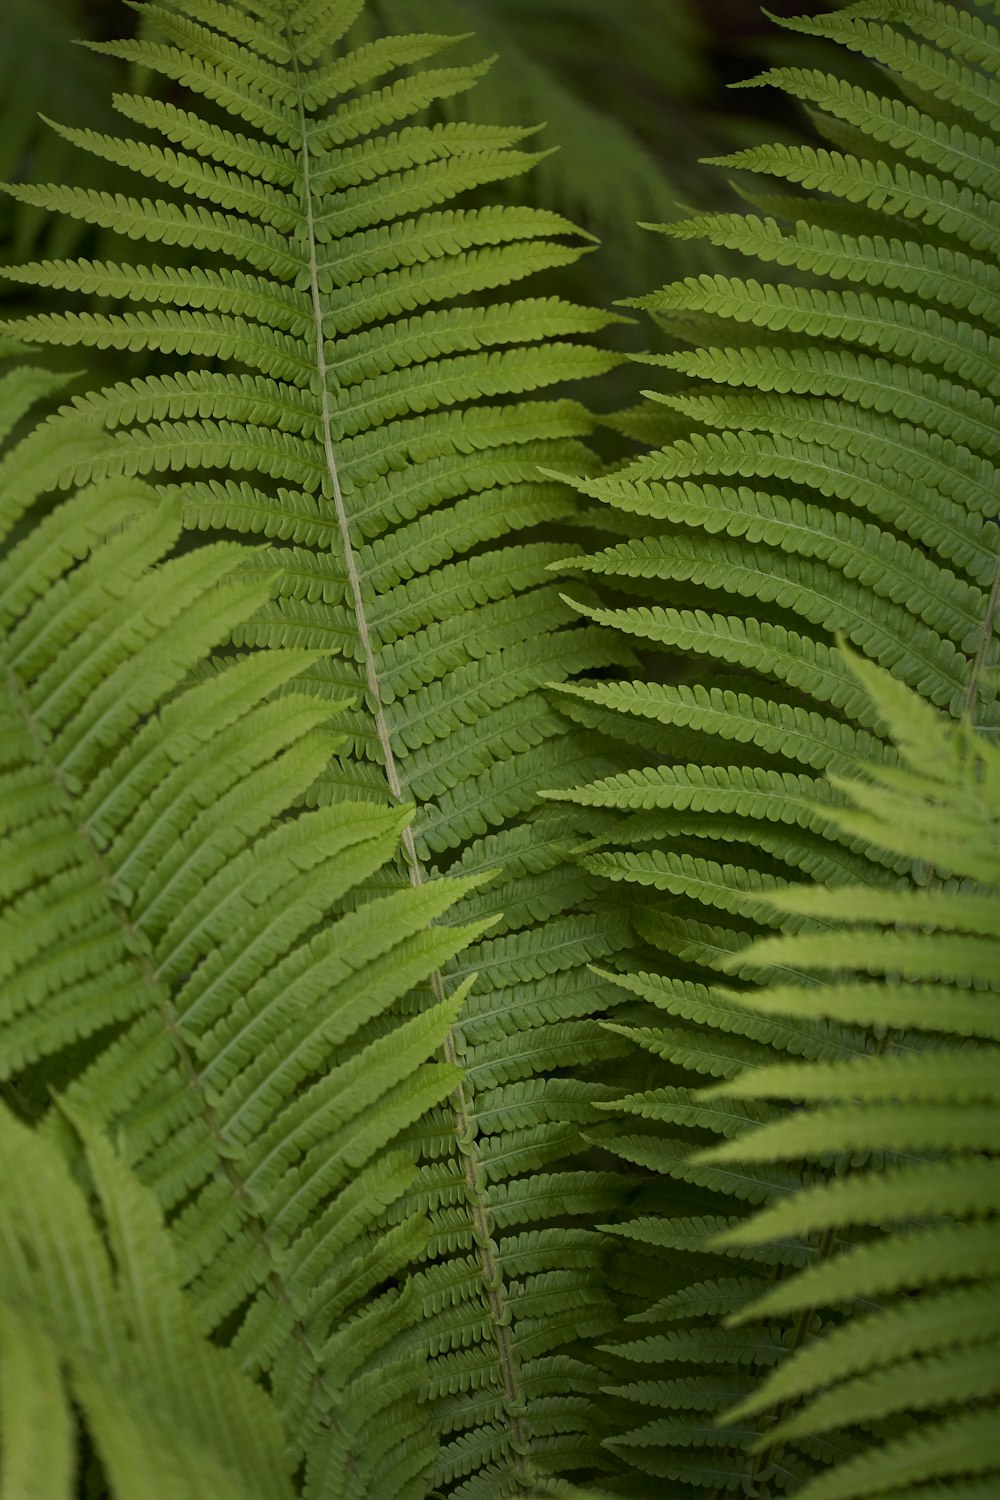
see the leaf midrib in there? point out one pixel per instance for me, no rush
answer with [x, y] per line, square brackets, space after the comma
[494, 1288]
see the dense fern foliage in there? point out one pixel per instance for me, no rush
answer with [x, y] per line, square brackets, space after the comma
[425, 1074]
[832, 468]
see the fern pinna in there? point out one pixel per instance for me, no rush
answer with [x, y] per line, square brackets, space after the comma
[832, 467]
[375, 429]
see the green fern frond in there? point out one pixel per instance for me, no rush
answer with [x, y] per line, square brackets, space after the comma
[93, 1318]
[931, 1349]
[179, 964]
[830, 471]
[312, 570]
[362, 396]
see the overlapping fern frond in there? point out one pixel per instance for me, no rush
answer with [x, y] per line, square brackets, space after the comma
[179, 969]
[834, 471]
[909, 1308]
[92, 1316]
[361, 396]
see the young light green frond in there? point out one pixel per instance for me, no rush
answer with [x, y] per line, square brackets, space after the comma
[94, 1320]
[199, 969]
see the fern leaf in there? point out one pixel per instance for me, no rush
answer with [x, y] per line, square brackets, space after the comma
[178, 963]
[826, 474]
[927, 1351]
[105, 1326]
[370, 403]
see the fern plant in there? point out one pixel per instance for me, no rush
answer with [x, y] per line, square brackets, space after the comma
[358, 399]
[831, 468]
[902, 1304]
[278, 709]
